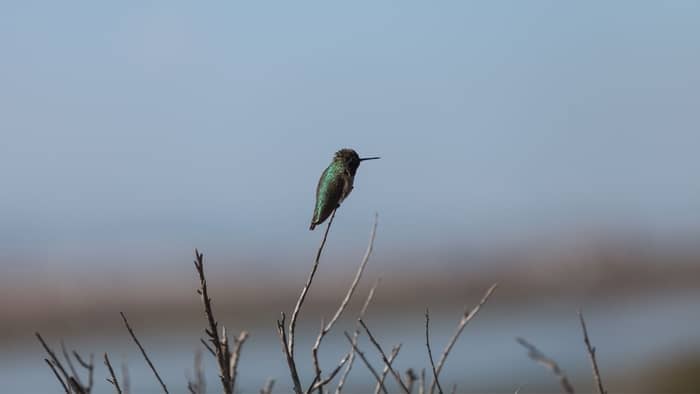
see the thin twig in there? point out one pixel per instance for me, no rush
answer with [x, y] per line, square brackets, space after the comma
[199, 372]
[83, 363]
[305, 290]
[90, 366]
[75, 386]
[198, 386]
[466, 318]
[70, 365]
[54, 359]
[394, 352]
[430, 352]
[384, 357]
[208, 347]
[410, 379]
[113, 380]
[539, 357]
[314, 355]
[364, 359]
[126, 383]
[143, 351]
[68, 381]
[355, 334]
[312, 385]
[421, 386]
[221, 349]
[326, 328]
[591, 355]
[91, 369]
[267, 388]
[235, 357]
[290, 360]
[320, 383]
[55, 372]
[226, 354]
[454, 388]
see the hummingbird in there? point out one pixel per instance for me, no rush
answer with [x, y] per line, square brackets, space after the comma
[335, 184]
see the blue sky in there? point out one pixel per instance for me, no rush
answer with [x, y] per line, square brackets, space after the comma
[168, 125]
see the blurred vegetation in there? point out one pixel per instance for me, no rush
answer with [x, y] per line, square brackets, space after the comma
[679, 375]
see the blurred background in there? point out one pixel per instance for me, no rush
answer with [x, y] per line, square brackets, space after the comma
[549, 146]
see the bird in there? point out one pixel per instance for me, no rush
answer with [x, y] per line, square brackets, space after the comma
[335, 184]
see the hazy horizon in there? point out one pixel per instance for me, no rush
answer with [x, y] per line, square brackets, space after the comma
[551, 147]
[162, 127]
[186, 125]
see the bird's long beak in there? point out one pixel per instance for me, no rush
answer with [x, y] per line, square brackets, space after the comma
[370, 158]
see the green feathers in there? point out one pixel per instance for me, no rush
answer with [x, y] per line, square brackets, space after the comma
[335, 184]
[329, 192]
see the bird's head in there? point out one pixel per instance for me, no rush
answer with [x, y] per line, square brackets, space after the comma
[350, 159]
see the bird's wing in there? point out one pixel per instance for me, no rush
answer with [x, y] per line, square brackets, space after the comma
[329, 194]
[347, 186]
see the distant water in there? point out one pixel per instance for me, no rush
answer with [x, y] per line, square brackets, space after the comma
[629, 335]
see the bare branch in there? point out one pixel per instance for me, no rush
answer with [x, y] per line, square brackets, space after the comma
[384, 357]
[221, 349]
[91, 370]
[305, 290]
[235, 357]
[70, 382]
[430, 352]
[421, 387]
[356, 279]
[591, 355]
[290, 360]
[70, 365]
[454, 388]
[75, 387]
[66, 379]
[126, 383]
[113, 380]
[320, 383]
[143, 351]
[267, 389]
[326, 328]
[208, 347]
[394, 352]
[362, 356]
[90, 366]
[466, 318]
[198, 386]
[410, 379]
[55, 372]
[83, 363]
[356, 333]
[312, 385]
[314, 354]
[539, 357]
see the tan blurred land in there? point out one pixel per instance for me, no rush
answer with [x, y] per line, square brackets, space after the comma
[77, 306]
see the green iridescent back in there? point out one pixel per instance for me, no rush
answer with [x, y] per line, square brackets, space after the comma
[329, 192]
